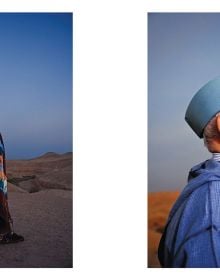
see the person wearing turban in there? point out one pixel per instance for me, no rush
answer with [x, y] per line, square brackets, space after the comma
[7, 235]
[191, 237]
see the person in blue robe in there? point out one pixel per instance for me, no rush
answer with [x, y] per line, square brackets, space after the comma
[7, 234]
[191, 238]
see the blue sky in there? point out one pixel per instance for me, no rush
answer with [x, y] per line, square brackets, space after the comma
[36, 83]
[183, 54]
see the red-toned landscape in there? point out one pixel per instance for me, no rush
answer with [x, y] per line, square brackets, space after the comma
[159, 205]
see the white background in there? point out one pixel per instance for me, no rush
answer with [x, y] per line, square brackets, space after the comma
[109, 137]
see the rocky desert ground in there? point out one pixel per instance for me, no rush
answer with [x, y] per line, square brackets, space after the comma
[40, 202]
[159, 205]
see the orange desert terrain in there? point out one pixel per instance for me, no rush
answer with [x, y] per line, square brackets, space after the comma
[159, 205]
[40, 202]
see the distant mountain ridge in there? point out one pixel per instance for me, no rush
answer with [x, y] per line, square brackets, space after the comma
[48, 171]
[51, 154]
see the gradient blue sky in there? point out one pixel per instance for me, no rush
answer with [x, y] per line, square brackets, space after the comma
[36, 83]
[183, 54]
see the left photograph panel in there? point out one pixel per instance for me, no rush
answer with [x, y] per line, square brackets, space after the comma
[36, 88]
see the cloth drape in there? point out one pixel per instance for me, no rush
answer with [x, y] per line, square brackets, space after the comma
[192, 234]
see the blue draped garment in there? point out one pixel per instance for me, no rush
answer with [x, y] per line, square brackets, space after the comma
[192, 234]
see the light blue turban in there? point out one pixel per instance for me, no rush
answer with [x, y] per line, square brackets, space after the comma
[204, 105]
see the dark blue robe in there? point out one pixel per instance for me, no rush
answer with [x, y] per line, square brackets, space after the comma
[192, 234]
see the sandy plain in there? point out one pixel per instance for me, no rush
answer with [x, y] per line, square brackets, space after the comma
[40, 202]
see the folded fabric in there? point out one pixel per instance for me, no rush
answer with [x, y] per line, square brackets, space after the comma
[192, 234]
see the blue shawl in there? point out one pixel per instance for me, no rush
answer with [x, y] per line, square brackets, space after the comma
[192, 234]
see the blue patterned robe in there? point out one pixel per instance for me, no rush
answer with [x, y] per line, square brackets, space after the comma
[192, 234]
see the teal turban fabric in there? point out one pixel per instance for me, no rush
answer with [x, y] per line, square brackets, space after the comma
[203, 106]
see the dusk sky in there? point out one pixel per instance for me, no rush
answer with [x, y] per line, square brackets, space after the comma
[183, 54]
[36, 83]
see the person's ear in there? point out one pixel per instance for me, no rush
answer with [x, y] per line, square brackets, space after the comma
[218, 122]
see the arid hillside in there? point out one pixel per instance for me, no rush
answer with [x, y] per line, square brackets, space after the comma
[40, 203]
[159, 205]
[49, 171]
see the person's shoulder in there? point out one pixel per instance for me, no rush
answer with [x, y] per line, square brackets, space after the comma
[203, 205]
[200, 195]
[196, 209]
[198, 165]
[193, 172]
